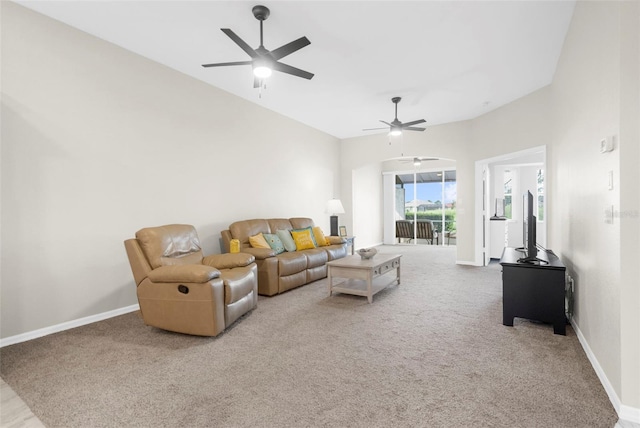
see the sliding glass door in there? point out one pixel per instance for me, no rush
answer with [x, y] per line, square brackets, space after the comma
[429, 197]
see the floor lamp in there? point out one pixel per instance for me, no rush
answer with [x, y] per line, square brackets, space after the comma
[334, 206]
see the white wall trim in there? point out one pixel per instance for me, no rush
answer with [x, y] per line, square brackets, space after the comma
[629, 414]
[66, 325]
[625, 413]
[468, 263]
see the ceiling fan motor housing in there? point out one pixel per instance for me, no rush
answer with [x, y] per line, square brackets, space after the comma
[260, 12]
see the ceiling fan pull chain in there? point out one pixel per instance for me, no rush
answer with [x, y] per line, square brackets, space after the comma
[262, 85]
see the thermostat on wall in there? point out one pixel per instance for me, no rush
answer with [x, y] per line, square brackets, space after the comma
[606, 145]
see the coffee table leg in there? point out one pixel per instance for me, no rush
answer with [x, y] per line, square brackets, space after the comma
[369, 287]
[398, 273]
[330, 280]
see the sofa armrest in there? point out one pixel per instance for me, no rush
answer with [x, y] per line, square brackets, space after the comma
[336, 240]
[259, 253]
[195, 274]
[228, 260]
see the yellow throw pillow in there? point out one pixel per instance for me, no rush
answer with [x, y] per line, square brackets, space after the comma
[258, 241]
[321, 240]
[302, 239]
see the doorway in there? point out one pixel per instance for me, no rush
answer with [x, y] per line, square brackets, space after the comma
[420, 201]
[500, 183]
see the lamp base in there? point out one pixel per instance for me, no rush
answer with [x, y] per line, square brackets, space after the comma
[334, 225]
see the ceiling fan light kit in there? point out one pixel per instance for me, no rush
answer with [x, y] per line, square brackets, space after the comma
[264, 61]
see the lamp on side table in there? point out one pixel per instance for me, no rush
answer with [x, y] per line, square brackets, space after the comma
[334, 207]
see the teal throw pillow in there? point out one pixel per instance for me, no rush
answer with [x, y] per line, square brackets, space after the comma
[310, 229]
[287, 240]
[274, 242]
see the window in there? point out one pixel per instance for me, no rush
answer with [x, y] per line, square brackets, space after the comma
[508, 194]
[540, 194]
[430, 196]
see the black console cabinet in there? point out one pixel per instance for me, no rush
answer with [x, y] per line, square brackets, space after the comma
[533, 291]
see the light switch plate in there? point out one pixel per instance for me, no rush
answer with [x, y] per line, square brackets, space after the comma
[606, 144]
[610, 180]
[608, 215]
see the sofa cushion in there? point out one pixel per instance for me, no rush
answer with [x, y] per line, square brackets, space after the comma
[274, 242]
[316, 257]
[291, 263]
[173, 244]
[258, 241]
[301, 222]
[303, 239]
[279, 224]
[287, 240]
[242, 230]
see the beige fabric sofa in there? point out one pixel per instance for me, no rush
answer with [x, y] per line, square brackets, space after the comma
[181, 290]
[278, 273]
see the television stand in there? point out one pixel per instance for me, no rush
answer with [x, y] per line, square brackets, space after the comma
[534, 291]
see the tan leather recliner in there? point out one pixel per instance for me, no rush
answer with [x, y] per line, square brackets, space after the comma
[180, 290]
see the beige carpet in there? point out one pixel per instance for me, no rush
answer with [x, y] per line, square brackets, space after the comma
[431, 352]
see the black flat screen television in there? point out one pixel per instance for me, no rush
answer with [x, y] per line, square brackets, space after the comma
[529, 229]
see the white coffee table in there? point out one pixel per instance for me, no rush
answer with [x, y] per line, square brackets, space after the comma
[364, 277]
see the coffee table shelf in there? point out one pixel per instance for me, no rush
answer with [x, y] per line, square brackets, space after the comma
[364, 277]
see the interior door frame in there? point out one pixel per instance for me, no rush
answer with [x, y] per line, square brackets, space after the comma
[482, 237]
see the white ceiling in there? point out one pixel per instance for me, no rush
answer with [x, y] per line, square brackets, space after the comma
[448, 60]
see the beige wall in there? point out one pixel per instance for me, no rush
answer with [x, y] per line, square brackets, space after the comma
[98, 142]
[594, 95]
[630, 205]
[586, 103]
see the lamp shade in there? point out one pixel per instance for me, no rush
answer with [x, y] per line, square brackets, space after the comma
[334, 206]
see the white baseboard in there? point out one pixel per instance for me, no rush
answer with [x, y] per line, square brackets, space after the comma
[626, 424]
[467, 263]
[66, 325]
[629, 416]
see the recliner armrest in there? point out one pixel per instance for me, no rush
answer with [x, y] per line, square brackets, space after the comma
[228, 260]
[336, 240]
[184, 273]
[258, 253]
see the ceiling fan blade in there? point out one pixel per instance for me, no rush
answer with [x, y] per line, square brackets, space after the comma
[413, 128]
[415, 122]
[222, 64]
[243, 45]
[374, 129]
[284, 68]
[386, 123]
[289, 48]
